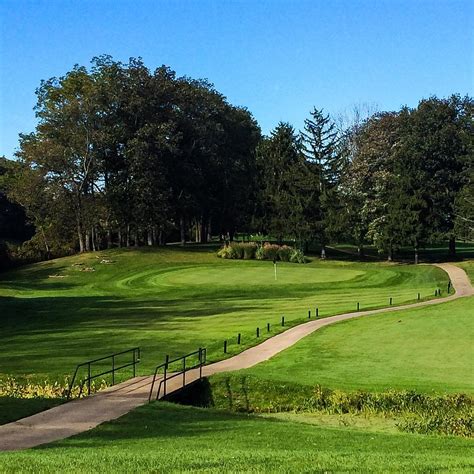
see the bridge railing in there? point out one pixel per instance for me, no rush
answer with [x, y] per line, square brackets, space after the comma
[198, 359]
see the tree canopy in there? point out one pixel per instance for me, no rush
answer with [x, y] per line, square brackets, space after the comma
[122, 156]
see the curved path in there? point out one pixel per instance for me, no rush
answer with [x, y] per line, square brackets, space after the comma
[86, 413]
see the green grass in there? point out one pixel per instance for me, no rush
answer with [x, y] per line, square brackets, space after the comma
[12, 409]
[173, 300]
[169, 438]
[468, 267]
[424, 349]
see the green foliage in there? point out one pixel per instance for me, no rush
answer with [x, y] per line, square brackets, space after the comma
[284, 253]
[423, 413]
[267, 251]
[13, 388]
[249, 251]
[297, 256]
[270, 251]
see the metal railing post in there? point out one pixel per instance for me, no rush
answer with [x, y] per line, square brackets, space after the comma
[164, 376]
[184, 371]
[89, 379]
[113, 369]
[200, 363]
[134, 359]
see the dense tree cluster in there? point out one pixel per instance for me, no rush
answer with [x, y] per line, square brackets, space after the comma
[125, 156]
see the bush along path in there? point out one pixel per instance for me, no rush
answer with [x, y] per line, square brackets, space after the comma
[83, 414]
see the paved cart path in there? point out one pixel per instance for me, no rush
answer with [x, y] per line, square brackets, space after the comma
[83, 414]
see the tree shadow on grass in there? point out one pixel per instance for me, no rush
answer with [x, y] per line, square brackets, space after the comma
[159, 420]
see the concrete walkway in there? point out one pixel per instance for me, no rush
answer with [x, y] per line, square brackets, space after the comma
[83, 414]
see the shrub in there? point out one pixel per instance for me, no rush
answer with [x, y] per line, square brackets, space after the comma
[270, 251]
[237, 250]
[225, 252]
[249, 250]
[284, 253]
[267, 251]
[11, 387]
[297, 256]
[416, 412]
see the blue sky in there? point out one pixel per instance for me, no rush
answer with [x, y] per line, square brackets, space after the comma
[278, 58]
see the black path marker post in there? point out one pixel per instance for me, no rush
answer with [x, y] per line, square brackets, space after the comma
[309, 314]
[238, 338]
[449, 286]
[317, 312]
[283, 320]
[268, 327]
[418, 296]
[358, 306]
[225, 347]
[258, 332]
[390, 301]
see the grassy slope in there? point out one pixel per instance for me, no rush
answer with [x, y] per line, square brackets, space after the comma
[422, 349]
[468, 267]
[172, 301]
[169, 438]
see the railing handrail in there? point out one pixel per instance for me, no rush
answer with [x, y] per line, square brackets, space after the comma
[201, 352]
[135, 360]
[108, 356]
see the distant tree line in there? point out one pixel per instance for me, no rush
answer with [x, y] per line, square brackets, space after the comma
[124, 156]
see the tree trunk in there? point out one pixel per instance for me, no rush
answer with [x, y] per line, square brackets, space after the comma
[452, 246]
[323, 252]
[109, 238]
[390, 253]
[93, 239]
[128, 236]
[48, 252]
[150, 238]
[416, 255]
[209, 233]
[87, 241]
[202, 231]
[182, 230]
[161, 240]
[80, 237]
[119, 236]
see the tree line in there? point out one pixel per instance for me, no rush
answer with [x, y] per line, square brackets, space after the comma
[124, 156]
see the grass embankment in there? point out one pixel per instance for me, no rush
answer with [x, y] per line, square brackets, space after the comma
[54, 315]
[170, 438]
[425, 349]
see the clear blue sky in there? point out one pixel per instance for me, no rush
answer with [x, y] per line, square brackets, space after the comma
[278, 58]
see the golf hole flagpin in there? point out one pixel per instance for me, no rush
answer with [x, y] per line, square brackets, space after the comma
[275, 267]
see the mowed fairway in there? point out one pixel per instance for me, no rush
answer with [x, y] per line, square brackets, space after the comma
[173, 300]
[424, 349]
[170, 438]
